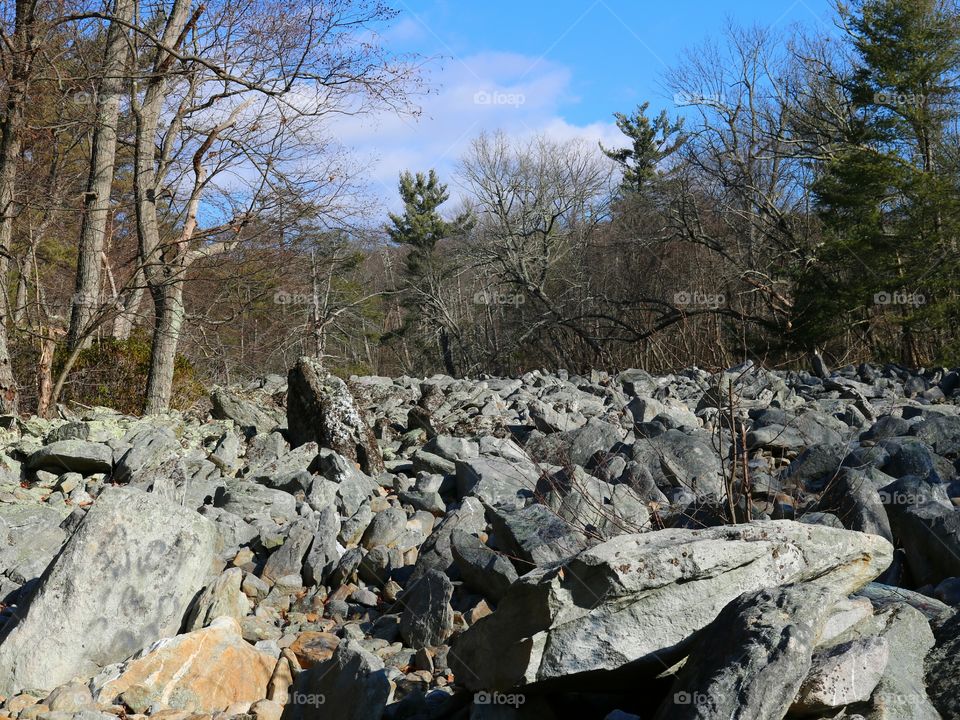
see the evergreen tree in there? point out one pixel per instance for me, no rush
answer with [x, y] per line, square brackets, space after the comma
[889, 197]
[420, 228]
[652, 142]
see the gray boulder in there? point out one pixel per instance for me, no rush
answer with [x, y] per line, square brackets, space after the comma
[245, 413]
[943, 668]
[854, 499]
[483, 570]
[639, 597]
[927, 526]
[750, 662]
[351, 685]
[535, 535]
[320, 408]
[124, 579]
[221, 597]
[323, 555]
[79, 456]
[842, 674]
[152, 447]
[30, 537]
[678, 460]
[427, 617]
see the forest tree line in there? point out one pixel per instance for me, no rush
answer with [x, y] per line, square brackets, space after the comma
[175, 212]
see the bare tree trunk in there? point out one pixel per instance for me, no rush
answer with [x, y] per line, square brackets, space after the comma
[131, 300]
[168, 303]
[10, 144]
[167, 323]
[48, 346]
[100, 182]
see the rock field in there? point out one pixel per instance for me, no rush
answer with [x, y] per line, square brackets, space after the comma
[745, 544]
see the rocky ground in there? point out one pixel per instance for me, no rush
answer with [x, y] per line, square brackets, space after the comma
[749, 544]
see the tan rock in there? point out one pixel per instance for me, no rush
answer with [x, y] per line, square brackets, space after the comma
[278, 688]
[313, 647]
[237, 708]
[31, 712]
[203, 671]
[266, 710]
[18, 703]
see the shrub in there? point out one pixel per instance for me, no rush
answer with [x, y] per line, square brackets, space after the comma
[114, 372]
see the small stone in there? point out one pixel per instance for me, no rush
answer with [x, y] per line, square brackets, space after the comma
[365, 597]
[480, 610]
[312, 647]
[243, 558]
[266, 710]
[71, 697]
[18, 703]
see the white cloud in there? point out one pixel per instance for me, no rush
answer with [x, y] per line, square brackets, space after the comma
[518, 94]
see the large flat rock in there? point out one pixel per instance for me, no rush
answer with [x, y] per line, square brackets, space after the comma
[124, 579]
[639, 597]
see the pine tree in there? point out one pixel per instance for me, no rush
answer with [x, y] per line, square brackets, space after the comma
[653, 141]
[420, 228]
[889, 197]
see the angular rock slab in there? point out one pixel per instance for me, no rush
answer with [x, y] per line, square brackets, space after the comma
[72, 456]
[750, 662]
[351, 685]
[124, 579]
[639, 597]
[321, 408]
[203, 671]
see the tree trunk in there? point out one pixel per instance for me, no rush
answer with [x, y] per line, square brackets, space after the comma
[10, 143]
[131, 300]
[166, 290]
[168, 303]
[100, 181]
[447, 352]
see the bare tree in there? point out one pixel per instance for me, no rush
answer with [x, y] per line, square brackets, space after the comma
[244, 87]
[100, 183]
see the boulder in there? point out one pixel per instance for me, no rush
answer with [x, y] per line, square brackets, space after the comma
[30, 537]
[124, 579]
[483, 570]
[750, 662]
[678, 460]
[927, 526]
[427, 617]
[152, 447]
[842, 674]
[535, 535]
[79, 456]
[245, 413]
[221, 598]
[639, 597]
[853, 498]
[205, 670]
[943, 668]
[320, 408]
[351, 685]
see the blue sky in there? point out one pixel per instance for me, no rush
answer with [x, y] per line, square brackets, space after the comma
[532, 66]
